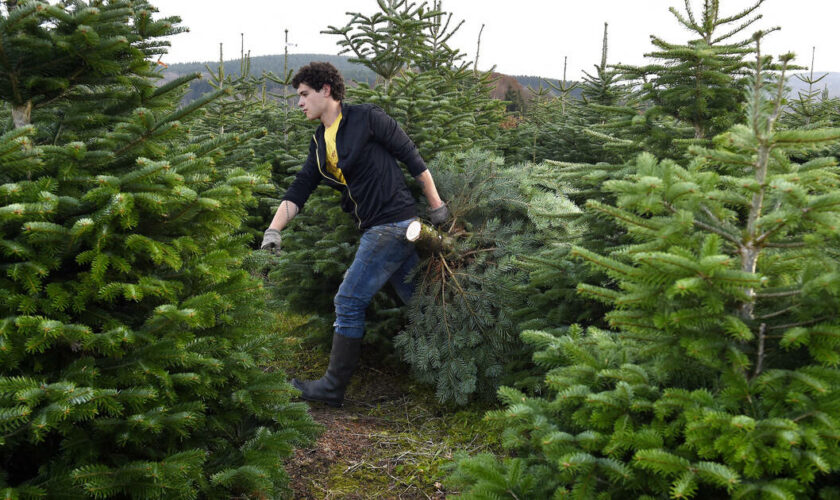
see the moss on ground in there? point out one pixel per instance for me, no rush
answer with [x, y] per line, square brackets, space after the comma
[392, 439]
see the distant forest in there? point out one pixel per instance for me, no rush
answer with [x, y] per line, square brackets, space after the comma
[275, 63]
[357, 72]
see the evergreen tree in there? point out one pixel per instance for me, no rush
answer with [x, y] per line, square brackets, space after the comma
[553, 303]
[515, 101]
[701, 83]
[422, 82]
[465, 314]
[720, 375]
[558, 127]
[691, 91]
[602, 88]
[287, 144]
[228, 114]
[604, 94]
[229, 118]
[133, 345]
[812, 107]
[521, 140]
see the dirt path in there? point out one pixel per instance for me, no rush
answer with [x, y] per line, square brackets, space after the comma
[391, 440]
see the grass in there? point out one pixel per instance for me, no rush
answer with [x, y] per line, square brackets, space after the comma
[392, 439]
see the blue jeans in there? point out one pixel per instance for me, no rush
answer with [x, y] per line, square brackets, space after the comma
[384, 255]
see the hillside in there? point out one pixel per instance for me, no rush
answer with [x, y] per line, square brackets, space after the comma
[357, 72]
[351, 71]
[264, 64]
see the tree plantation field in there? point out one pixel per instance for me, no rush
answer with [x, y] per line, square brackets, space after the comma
[637, 294]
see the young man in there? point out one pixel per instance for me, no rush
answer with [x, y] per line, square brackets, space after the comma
[355, 150]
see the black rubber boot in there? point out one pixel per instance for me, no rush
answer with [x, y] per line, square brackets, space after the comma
[329, 389]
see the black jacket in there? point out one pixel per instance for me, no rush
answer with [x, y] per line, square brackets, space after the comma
[369, 143]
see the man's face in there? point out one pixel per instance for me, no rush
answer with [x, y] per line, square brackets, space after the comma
[313, 102]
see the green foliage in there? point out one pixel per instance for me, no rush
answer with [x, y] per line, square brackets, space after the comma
[700, 83]
[239, 117]
[461, 335]
[133, 344]
[88, 50]
[566, 132]
[424, 84]
[688, 93]
[720, 375]
[559, 127]
[812, 108]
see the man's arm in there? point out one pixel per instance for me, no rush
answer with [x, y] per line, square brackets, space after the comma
[429, 190]
[387, 132]
[284, 214]
[305, 182]
[438, 212]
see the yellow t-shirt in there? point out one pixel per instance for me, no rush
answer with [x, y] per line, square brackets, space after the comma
[332, 154]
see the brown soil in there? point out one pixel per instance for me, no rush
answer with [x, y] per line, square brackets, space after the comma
[384, 443]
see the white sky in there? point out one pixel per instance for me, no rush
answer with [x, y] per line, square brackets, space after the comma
[524, 37]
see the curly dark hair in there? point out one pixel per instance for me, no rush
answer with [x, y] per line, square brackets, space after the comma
[316, 74]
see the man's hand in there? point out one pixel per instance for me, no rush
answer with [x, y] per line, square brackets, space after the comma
[439, 215]
[271, 240]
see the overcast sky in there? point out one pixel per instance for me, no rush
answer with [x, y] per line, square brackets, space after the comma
[522, 37]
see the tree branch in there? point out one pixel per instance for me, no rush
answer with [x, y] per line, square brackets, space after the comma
[710, 228]
[776, 313]
[778, 294]
[785, 245]
[803, 323]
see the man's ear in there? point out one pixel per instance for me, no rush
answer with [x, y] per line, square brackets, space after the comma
[327, 88]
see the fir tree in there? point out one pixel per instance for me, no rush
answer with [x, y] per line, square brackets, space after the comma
[520, 141]
[227, 115]
[604, 94]
[286, 146]
[463, 319]
[602, 88]
[553, 303]
[422, 82]
[690, 91]
[233, 118]
[720, 375]
[563, 128]
[133, 345]
[812, 107]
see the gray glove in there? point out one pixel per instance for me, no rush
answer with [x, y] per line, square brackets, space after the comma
[439, 215]
[271, 240]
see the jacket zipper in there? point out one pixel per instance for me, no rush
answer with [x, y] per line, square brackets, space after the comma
[318, 161]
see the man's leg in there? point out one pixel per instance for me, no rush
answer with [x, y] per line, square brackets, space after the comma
[399, 280]
[383, 251]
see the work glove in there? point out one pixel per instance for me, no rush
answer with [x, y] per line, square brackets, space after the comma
[439, 215]
[271, 240]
